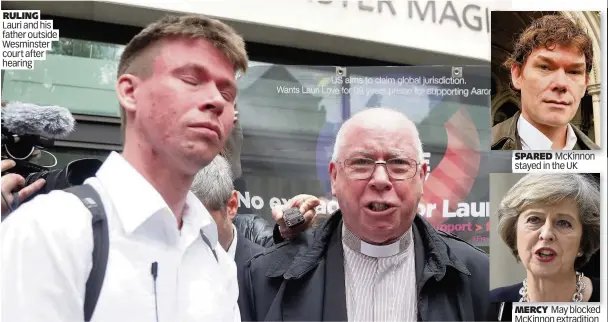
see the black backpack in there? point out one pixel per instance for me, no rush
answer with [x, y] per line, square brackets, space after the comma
[101, 244]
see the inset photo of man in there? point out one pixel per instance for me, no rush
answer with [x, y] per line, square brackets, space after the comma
[545, 80]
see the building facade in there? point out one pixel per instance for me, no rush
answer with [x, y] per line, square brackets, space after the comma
[298, 43]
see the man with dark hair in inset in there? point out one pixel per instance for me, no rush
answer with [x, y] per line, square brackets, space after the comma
[550, 68]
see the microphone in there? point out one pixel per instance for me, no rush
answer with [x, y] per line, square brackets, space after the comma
[30, 119]
[154, 273]
[154, 270]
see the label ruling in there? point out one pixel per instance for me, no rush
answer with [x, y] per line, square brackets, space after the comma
[25, 38]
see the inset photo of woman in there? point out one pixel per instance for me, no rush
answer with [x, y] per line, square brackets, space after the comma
[544, 238]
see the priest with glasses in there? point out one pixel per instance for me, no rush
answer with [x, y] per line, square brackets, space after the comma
[375, 259]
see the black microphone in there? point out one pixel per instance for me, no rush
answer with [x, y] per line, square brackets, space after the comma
[30, 119]
[154, 272]
[28, 126]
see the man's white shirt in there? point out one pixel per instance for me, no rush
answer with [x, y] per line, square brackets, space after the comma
[232, 247]
[47, 249]
[533, 139]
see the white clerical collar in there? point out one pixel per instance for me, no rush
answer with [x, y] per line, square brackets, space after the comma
[356, 244]
[533, 139]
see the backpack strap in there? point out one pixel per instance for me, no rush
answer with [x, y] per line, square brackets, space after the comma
[206, 240]
[101, 245]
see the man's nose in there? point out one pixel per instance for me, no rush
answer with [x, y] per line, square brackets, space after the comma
[380, 179]
[560, 81]
[212, 99]
[546, 232]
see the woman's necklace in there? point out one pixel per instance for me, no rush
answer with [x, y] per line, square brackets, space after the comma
[576, 297]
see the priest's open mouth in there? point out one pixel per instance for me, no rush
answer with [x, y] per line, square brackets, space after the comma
[379, 207]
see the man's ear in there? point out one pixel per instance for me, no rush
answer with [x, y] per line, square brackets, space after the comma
[333, 173]
[516, 71]
[423, 170]
[125, 91]
[233, 205]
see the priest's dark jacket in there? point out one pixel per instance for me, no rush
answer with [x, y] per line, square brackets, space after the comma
[303, 279]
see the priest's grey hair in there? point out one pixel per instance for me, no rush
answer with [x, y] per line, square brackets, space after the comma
[213, 184]
[377, 114]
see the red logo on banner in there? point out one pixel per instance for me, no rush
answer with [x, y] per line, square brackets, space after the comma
[453, 178]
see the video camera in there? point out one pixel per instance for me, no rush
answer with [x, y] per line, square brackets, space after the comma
[27, 130]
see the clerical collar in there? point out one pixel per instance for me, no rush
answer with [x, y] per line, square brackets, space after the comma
[355, 243]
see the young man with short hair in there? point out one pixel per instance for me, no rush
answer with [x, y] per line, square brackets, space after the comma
[176, 88]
